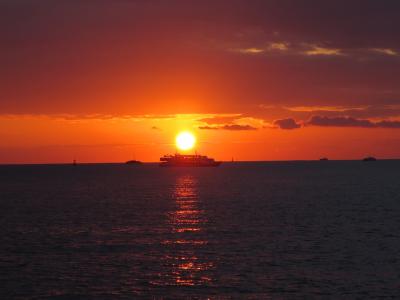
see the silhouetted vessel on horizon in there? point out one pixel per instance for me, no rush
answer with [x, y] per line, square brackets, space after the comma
[133, 162]
[323, 159]
[370, 158]
[184, 160]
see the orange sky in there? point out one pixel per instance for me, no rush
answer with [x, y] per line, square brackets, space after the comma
[43, 139]
[106, 81]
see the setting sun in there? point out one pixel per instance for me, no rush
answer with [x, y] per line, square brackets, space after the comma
[185, 141]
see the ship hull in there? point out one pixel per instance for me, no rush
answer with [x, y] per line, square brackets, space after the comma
[186, 165]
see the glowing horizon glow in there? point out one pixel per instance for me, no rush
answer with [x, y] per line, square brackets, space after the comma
[185, 141]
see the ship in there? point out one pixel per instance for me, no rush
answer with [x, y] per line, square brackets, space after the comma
[133, 162]
[183, 160]
[370, 158]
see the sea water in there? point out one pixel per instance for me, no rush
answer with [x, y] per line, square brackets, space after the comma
[243, 230]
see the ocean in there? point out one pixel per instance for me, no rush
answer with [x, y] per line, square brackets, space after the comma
[262, 230]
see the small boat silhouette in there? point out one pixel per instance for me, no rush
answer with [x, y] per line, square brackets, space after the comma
[133, 162]
[370, 158]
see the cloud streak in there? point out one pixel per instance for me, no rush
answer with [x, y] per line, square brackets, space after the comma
[350, 122]
[231, 127]
[215, 120]
[318, 51]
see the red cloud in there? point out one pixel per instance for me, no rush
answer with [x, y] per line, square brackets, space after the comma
[287, 124]
[350, 122]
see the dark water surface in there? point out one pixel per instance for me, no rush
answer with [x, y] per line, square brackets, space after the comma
[244, 230]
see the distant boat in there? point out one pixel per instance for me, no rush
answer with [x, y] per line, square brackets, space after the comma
[370, 158]
[323, 158]
[74, 163]
[181, 160]
[133, 162]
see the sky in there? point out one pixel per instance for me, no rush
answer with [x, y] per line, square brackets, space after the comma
[108, 81]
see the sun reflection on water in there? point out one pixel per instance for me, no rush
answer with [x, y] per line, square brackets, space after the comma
[185, 245]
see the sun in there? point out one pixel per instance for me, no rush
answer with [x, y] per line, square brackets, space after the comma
[185, 140]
